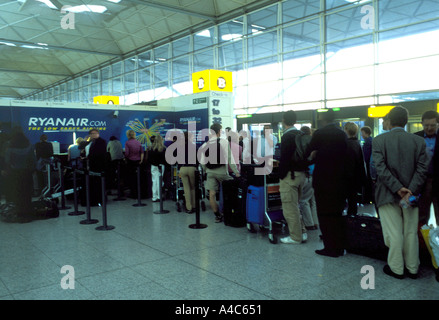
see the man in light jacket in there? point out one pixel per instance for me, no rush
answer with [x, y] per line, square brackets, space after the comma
[401, 163]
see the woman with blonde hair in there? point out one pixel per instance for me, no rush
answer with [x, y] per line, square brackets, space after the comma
[156, 156]
[134, 154]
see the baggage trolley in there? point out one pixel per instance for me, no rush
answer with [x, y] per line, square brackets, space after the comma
[264, 206]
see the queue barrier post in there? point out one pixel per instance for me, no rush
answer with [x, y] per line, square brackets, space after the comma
[61, 179]
[197, 224]
[103, 205]
[87, 192]
[76, 212]
[120, 196]
[139, 202]
[161, 211]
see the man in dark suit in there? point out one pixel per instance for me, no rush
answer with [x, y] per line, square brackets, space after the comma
[430, 124]
[97, 157]
[401, 162]
[328, 147]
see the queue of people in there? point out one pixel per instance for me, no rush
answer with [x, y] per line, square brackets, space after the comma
[314, 192]
[395, 165]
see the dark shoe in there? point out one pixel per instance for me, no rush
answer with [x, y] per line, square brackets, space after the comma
[411, 275]
[190, 211]
[328, 253]
[389, 272]
[218, 217]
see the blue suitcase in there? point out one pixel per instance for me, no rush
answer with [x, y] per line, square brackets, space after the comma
[256, 211]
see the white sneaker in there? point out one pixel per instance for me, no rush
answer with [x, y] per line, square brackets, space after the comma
[304, 237]
[288, 240]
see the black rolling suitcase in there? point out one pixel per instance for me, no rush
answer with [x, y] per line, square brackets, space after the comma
[234, 193]
[364, 236]
[44, 209]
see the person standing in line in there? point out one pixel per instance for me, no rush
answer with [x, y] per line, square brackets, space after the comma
[97, 161]
[292, 179]
[428, 197]
[115, 149]
[401, 162]
[134, 154]
[217, 171]
[156, 156]
[19, 164]
[187, 173]
[73, 152]
[366, 133]
[355, 168]
[307, 201]
[328, 148]
[43, 153]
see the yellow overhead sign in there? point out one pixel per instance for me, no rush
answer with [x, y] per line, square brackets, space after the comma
[378, 112]
[215, 80]
[106, 99]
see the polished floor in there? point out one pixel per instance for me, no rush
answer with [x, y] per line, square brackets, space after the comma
[150, 256]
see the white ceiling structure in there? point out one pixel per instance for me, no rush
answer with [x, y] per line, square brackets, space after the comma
[43, 42]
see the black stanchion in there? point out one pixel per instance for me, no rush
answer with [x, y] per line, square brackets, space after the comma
[197, 224]
[63, 196]
[87, 193]
[139, 202]
[104, 206]
[120, 196]
[162, 211]
[75, 196]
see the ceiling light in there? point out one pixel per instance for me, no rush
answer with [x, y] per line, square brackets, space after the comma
[48, 3]
[8, 44]
[115, 1]
[231, 36]
[33, 47]
[204, 33]
[87, 8]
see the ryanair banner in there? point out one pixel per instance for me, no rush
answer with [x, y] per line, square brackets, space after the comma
[64, 124]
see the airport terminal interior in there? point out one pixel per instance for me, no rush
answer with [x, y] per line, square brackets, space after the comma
[68, 67]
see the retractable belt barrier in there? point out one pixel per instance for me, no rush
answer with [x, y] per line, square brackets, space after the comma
[139, 202]
[76, 212]
[197, 224]
[88, 220]
[161, 211]
[63, 196]
[103, 205]
[120, 196]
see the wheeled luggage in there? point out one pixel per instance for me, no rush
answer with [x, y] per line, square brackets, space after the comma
[364, 236]
[264, 205]
[45, 209]
[234, 193]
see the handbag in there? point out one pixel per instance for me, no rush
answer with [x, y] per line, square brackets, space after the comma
[431, 239]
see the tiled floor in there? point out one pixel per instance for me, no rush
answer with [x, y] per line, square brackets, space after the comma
[158, 257]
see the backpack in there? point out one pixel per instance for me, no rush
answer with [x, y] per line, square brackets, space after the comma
[302, 142]
[218, 156]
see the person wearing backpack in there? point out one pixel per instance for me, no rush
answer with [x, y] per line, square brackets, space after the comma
[216, 159]
[292, 174]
